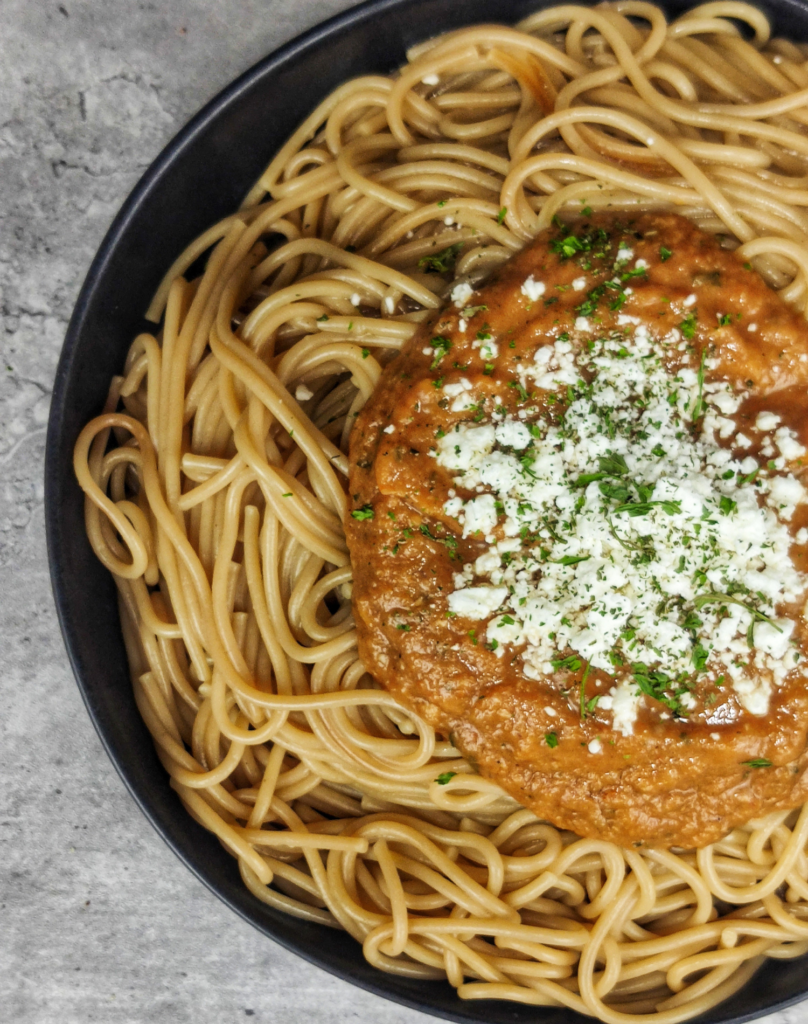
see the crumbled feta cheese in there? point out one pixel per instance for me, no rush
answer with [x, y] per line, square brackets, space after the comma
[582, 324]
[579, 284]
[389, 429]
[595, 746]
[302, 393]
[785, 493]
[625, 704]
[476, 602]
[774, 637]
[481, 515]
[753, 694]
[689, 301]
[533, 289]
[606, 539]
[461, 293]
[487, 563]
[455, 388]
[786, 441]
[356, 299]
[454, 508]
[512, 434]
[389, 304]
[766, 421]
[432, 79]
[752, 328]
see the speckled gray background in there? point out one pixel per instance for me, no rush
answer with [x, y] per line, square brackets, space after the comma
[98, 920]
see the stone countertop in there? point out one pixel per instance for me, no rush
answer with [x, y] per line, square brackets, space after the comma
[98, 920]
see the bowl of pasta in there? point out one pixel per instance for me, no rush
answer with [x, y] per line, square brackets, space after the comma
[425, 504]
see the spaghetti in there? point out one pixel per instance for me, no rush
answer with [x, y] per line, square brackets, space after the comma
[215, 484]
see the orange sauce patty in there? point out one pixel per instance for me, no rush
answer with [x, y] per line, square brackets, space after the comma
[579, 532]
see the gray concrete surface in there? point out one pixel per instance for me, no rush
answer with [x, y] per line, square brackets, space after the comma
[98, 920]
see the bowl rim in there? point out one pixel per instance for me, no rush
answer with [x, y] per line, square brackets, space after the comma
[285, 55]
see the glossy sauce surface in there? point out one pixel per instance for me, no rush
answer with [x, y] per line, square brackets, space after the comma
[680, 781]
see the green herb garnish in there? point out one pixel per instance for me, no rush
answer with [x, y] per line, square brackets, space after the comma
[366, 512]
[442, 261]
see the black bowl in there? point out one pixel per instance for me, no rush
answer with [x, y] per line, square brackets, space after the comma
[194, 182]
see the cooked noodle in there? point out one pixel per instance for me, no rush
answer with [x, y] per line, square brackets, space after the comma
[219, 505]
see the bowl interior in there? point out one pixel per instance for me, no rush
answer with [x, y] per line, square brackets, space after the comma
[200, 177]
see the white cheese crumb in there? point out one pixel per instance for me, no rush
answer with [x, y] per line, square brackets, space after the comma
[432, 79]
[582, 324]
[753, 694]
[790, 448]
[454, 508]
[481, 515]
[533, 289]
[774, 637]
[689, 301]
[752, 328]
[477, 602]
[579, 284]
[624, 254]
[390, 429]
[461, 293]
[389, 304]
[302, 393]
[766, 421]
[625, 705]
[513, 434]
[802, 536]
[785, 493]
[356, 299]
[595, 746]
[742, 441]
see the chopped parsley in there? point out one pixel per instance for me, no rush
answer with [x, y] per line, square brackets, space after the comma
[688, 326]
[441, 346]
[442, 261]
